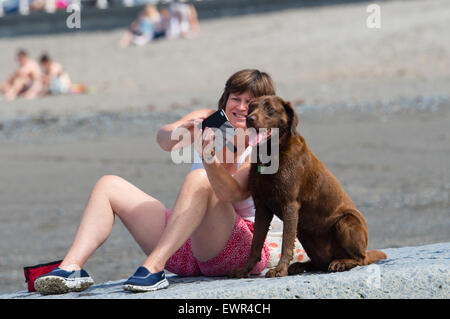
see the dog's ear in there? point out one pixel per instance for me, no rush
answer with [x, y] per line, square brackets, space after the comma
[292, 117]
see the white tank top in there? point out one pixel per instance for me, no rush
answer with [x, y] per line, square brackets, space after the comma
[245, 208]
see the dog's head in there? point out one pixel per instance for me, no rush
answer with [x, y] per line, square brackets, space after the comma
[270, 111]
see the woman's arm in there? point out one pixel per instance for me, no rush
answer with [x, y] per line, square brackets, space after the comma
[164, 134]
[228, 188]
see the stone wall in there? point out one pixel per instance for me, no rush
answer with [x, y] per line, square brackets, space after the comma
[408, 272]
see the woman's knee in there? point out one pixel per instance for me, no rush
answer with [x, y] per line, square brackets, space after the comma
[122, 194]
[108, 184]
[202, 187]
[199, 179]
[196, 189]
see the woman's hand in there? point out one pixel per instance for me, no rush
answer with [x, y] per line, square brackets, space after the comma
[191, 124]
[227, 187]
[185, 134]
[179, 134]
[169, 137]
[204, 143]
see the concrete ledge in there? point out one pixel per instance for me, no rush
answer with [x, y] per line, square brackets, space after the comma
[409, 272]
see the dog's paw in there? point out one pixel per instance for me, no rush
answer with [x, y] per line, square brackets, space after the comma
[296, 268]
[239, 273]
[337, 266]
[275, 272]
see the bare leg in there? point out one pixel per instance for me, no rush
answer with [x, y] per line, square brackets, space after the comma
[197, 214]
[126, 39]
[143, 215]
[6, 85]
[34, 90]
[17, 85]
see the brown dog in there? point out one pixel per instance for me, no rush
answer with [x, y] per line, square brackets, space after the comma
[307, 198]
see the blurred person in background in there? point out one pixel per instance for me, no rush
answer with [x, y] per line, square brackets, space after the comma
[193, 20]
[162, 26]
[184, 20]
[26, 81]
[10, 6]
[37, 5]
[54, 79]
[142, 30]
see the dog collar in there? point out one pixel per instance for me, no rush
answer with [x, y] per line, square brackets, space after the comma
[261, 168]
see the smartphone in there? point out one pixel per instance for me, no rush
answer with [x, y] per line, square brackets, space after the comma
[219, 121]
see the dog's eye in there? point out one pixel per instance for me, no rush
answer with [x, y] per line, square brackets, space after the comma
[268, 110]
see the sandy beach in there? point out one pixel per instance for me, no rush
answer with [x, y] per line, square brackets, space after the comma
[374, 107]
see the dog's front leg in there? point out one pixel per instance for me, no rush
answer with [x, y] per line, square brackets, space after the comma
[262, 223]
[290, 221]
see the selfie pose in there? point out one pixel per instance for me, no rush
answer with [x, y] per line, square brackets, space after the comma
[208, 232]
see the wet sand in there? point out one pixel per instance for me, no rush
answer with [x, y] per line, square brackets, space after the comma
[373, 105]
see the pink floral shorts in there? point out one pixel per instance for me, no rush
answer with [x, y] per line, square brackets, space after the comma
[233, 255]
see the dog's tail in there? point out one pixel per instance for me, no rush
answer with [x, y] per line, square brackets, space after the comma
[375, 255]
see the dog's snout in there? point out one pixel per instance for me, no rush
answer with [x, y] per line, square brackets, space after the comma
[250, 120]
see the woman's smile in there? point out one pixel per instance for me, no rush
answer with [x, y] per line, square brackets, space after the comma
[237, 109]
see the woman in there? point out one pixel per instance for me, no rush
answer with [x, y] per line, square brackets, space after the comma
[142, 29]
[25, 82]
[207, 232]
[55, 80]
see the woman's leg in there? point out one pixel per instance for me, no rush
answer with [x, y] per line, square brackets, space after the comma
[143, 215]
[198, 214]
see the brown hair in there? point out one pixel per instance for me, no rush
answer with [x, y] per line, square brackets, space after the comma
[255, 82]
[22, 52]
[44, 58]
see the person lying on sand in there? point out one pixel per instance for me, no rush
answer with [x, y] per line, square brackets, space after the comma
[26, 81]
[208, 232]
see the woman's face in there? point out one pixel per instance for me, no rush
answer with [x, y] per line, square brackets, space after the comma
[237, 108]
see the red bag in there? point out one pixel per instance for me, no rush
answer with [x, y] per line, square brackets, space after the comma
[32, 272]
